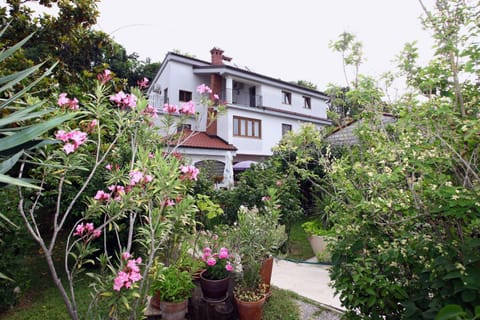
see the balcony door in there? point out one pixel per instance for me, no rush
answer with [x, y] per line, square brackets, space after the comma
[252, 93]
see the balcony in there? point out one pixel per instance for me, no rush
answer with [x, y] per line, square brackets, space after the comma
[244, 98]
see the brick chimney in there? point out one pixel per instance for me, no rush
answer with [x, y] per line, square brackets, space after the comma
[218, 57]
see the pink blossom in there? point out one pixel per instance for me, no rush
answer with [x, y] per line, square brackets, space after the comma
[169, 203]
[229, 267]
[105, 76]
[62, 99]
[101, 195]
[89, 227]
[135, 177]
[97, 233]
[279, 183]
[152, 111]
[79, 230]
[207, 250]
[92, 125]
[108, 167]
[147, 178]
[170, 108]
[265, 198]
[151, 155]
[188, 108]
[216, 97]
[61, 135]
[223, 253]
[126, 256]
[120, 280]
[211, 261]
[69, 148]
[203, 89]
[190, 172]
[143, 84]
[78, 138]
[122, 99]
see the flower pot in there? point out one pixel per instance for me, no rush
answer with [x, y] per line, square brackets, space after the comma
[319, 246]
[215, 290]
[250, 310]
[266, 271]
[174, 310]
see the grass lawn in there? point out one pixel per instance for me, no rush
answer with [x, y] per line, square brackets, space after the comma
[298, 245]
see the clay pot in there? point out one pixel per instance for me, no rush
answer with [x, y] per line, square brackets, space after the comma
[174, 310]
[250, 310]
[214, 289]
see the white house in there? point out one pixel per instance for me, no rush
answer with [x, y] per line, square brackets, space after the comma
[259, 109]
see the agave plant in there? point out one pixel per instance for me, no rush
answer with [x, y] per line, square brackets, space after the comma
[18, 132]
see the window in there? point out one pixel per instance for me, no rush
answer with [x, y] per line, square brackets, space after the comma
[286, 97]
[246, 127]
[307, 102]
[165, 95]
[184, 96]
[286, 128]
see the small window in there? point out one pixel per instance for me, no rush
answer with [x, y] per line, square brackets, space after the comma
[184, 96]
[165, 95]
[246, 127]
[286, 97]
[286, 128]
[307, 102]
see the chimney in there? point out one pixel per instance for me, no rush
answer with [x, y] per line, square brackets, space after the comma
[218, 57]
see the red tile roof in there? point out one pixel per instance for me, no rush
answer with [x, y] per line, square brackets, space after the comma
[200, 139]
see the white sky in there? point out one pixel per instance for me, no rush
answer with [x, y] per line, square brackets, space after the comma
[279, 38]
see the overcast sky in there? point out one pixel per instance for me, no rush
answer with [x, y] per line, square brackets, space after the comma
[285, 39]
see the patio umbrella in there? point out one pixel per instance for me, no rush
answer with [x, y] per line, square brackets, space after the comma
[243, 165]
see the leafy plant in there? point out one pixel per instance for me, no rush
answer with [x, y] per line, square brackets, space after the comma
[173, 284]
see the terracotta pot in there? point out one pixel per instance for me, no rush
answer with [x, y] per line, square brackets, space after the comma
[250, 310]
[215, 290]
[266, 271]
[174, 310]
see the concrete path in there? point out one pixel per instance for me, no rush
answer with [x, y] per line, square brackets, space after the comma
[307, 279]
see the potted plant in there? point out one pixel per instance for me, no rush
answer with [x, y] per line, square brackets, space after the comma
[319, 236]
[174, 287]
[215, 279]
[259, 234]
[250, 291]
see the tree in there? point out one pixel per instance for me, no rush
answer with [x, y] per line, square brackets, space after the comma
[352, 54]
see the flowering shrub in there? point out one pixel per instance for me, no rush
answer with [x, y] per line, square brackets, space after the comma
[135, 189]
[217, 264]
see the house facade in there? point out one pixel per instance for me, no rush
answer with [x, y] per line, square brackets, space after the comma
[259, 109]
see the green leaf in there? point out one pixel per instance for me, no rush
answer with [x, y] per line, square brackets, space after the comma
[32, 132]
[17, 182]
[6, 53]
[7, 164]
[4, 277]
[451, 311]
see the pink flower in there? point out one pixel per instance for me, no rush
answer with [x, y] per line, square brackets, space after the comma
[211, 261]
[147, 178]
[69, 148]
[143, 84]
[105, 76]
[223, 253]
[151, 155]
[188, 108]
[108, 167]
[170, 108]
[97, 233]
[190, 172]
[229, 267]
[63, 101]
[61, 135]
[207, 250]
[122, 99]
[265, 198]
[89, 227]
[79, 230]
[216, 97]
[203, 89]
[120, 280]
[126, 256]
[151, 111]
[92, 125]
[78, 138]
[135, 177]
[279, 183]
[101, 195]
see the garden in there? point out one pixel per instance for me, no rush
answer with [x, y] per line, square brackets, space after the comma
[102, 218]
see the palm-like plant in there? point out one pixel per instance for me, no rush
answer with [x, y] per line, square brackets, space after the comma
[17, 132]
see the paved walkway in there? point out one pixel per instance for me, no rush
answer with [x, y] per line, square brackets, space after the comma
[307, 279]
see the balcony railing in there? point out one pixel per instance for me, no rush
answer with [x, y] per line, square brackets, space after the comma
[243, 98]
